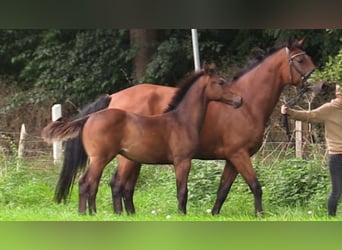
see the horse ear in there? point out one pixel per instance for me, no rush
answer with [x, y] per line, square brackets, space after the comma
[300, 43]
[209, 69]
[205, 66]
[294, 43]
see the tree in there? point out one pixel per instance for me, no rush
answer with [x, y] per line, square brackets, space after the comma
[143, 41]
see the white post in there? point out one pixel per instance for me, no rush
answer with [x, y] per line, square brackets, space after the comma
[195, 48]
[21, 147]
[57, 145]
[298, 136]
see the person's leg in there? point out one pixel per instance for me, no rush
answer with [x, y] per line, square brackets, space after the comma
[335, 168]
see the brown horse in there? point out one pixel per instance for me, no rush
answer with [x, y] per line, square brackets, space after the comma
[229, 135]
[153, 140]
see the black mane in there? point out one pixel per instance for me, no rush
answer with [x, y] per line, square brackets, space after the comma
[184, 86]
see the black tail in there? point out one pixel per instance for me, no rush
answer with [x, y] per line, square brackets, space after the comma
[75, 157]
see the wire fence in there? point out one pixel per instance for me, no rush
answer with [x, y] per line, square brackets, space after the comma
[36, 149]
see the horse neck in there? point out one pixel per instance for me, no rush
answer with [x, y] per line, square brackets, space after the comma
[263, 86]
[191, 110]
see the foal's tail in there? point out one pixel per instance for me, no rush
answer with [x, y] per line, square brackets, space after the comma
[62, 131]
[75, 157]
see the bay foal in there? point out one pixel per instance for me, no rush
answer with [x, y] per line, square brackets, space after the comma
[172, 137]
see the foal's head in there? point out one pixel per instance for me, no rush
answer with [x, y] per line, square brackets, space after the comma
[218, 88]
[214, 87]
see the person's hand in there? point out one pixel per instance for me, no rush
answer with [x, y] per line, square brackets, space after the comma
[283, 109]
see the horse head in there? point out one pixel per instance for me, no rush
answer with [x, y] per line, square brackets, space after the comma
[300, 64]
[219, 88]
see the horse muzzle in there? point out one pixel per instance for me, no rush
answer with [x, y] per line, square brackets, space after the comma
[318, 87]
[236, 102]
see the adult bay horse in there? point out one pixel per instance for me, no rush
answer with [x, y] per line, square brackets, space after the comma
[227, 134]
[172, 137]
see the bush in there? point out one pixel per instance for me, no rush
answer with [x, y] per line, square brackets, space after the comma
[203, 181]
[286, 183]
[294, 182]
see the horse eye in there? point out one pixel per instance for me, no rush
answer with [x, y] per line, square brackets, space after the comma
[300, 61]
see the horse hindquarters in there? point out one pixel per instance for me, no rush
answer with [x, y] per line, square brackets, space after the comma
[102, 137]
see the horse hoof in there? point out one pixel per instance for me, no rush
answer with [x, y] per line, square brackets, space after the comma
[259, 214]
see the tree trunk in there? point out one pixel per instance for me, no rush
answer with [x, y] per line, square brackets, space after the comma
[144, 41]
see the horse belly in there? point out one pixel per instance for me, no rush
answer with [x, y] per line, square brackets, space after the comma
[144, 145]
[146, 155]
[146, 159]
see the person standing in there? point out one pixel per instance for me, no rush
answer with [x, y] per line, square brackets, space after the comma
[331, 115]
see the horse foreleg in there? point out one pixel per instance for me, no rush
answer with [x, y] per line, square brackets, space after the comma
[227, 179]
[182, 169]
[243, 165]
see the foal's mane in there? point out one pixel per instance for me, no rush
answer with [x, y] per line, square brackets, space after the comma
[184, 86]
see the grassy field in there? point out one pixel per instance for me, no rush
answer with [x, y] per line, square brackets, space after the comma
[27, 195]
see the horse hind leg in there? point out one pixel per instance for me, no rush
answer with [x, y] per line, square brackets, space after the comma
[87, 195]
[117, 195]
[243, 165]
[129, 189]
[123, 183]
[88, 186]
[92, 196]
[227, 179]
[83, 194]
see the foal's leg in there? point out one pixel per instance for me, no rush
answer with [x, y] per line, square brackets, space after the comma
[116, 188]
[83, 194]
[182, 169]
[88, 185]
[92, 195]
[123, 183]
[227, 179]
[243, 165]
[129, 188]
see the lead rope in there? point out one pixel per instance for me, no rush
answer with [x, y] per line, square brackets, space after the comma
[294, 99]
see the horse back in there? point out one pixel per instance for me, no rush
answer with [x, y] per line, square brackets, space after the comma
[144, 99]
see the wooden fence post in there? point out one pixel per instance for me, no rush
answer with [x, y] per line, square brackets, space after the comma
[57, 145]
[298, 135]
[21, 147]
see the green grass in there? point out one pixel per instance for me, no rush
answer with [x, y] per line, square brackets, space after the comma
[27, 195]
